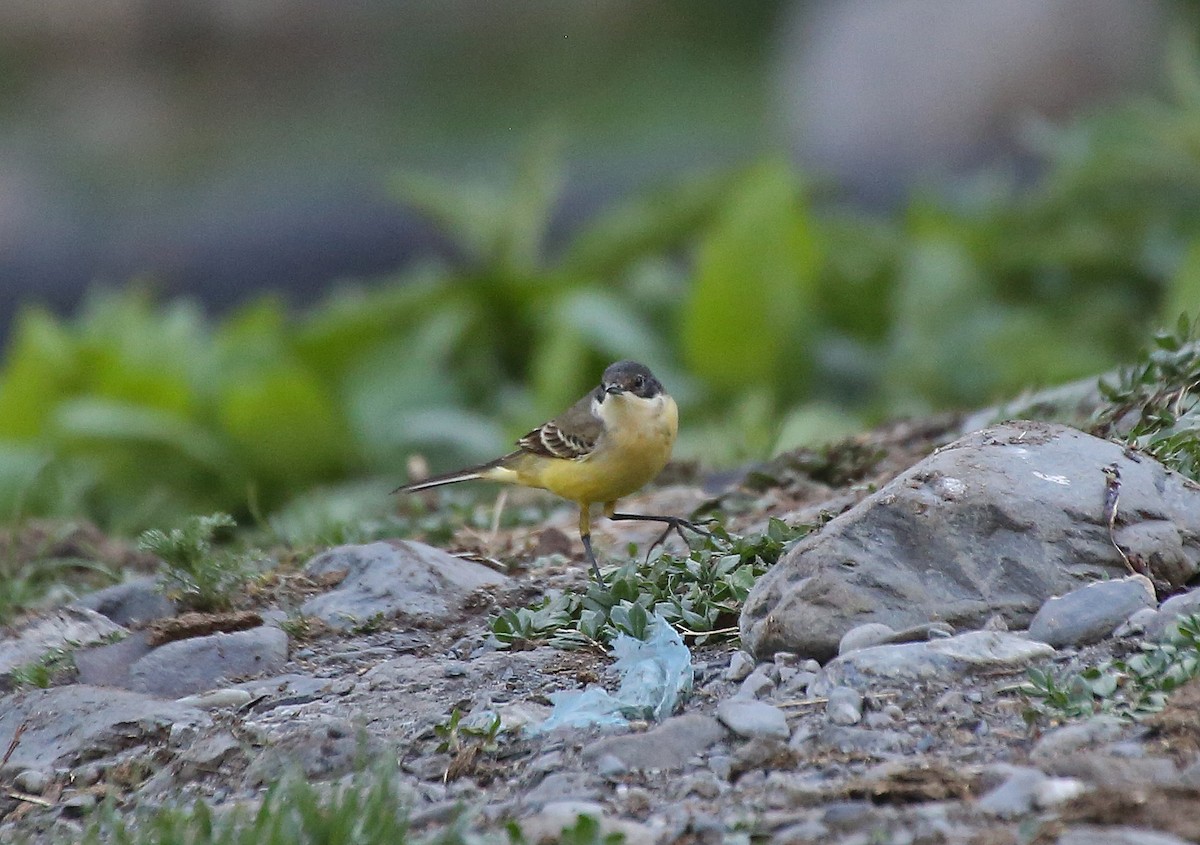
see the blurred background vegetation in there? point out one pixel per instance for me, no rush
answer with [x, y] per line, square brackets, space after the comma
[254, 249]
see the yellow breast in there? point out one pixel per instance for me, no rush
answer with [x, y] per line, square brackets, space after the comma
[636, 445]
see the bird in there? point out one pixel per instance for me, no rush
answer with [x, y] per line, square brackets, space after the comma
[607, 445]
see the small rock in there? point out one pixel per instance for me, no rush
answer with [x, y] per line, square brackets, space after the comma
[1103, 768]
[704, 785]
[216, 698]
[877, 719]
[954, 703]
[852, 740]
[210, 755]
[1054, 791]
[392, 578]
[807, 832]
[797, 684]
[945, 659]
[1090, 835]
[33, 781]
[864, 636]
[559, 787]
[844, 706]
[667, 746]
[721, 765]
[611, 766]
[200, 663]
[762, 754]
[1016, 796]
[1091, 613]
[1184, 604]
[548, 824]
[517, 715]
[785, 658]
[753, 719]
[130, 604]
[78, 805]
[1083, 735]
[1138, 623]
[740, 665]
[756, 685]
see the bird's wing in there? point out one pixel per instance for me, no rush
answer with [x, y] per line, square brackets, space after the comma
[571, 435]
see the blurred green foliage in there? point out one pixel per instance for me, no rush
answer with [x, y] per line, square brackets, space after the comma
[774, 315]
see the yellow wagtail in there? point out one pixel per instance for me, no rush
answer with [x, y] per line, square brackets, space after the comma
[605, 446]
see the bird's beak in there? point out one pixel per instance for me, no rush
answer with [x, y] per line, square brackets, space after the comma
[613, 389]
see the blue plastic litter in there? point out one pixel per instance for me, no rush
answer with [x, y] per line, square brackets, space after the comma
[656, 674]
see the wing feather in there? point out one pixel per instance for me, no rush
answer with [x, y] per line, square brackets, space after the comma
[570, 436]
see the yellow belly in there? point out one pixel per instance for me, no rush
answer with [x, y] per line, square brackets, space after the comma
[636, 446]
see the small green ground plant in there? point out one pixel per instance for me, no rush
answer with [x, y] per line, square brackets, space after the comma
[700, 594]
[1130, 687]
[198, 574]
[367, 809]
[1153, 404]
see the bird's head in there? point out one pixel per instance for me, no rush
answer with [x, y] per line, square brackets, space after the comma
[629, 377]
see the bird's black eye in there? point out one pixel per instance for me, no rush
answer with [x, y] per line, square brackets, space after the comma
[639, 382]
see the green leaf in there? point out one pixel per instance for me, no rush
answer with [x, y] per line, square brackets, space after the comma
[750, 309]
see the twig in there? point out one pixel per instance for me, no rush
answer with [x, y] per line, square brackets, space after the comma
[1112, 496]
[12, 746]
[31, 799]
[687, 632]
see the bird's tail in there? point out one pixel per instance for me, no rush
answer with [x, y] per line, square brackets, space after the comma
[467, 474]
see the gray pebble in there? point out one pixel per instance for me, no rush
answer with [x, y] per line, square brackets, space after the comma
[1083, 735]
[844, 706]
[798, 683]
[1015, 796]
[757, 685]
[610, 766]
[740, 666]
[79, 804]
[33, 781]
[753, 719]
[1090, 835]
[865, 636]
[721, 765]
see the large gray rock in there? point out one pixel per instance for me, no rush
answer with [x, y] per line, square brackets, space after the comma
[419, 582]
[201, 663]
[65, 628]
[996, 522]
[63, 725]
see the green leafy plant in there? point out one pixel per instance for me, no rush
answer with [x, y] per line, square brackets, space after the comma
[369, 809]
[1131, 687]
[585, 831]
[453, 735]
[41, 673]
[197, 574]
[700, 593]
[1153, 404]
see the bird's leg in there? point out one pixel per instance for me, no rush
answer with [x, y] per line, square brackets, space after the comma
[585, 534]
[674, 523]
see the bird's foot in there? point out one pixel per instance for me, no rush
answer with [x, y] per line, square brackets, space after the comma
[674, 523]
